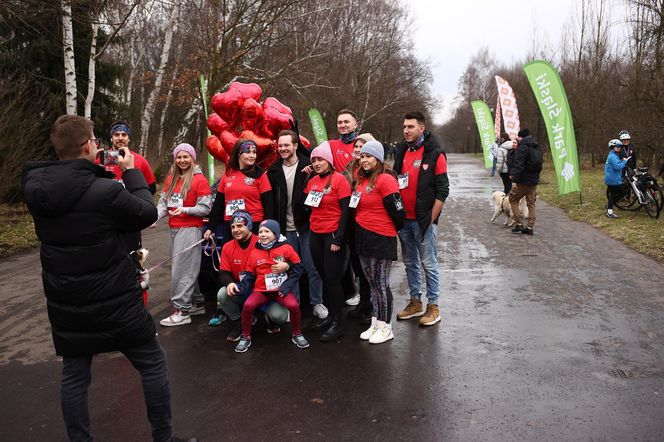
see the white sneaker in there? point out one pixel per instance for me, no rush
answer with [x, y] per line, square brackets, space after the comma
[177, 318]
[354, 300]
[321, 311]
[196, 310]
[368, 333]
[383, 334]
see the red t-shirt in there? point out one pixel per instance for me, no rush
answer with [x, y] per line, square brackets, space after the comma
[371, 213]
[260, 262]
[234, 258]
[199, 187]
[236, 186]
[325, 217]
[411, 165]
[342, 154]
[140, 163]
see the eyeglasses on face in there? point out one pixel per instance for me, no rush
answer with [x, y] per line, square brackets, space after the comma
[97, 141]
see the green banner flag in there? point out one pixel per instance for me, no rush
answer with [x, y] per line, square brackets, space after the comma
[552, 100]
[318, 125]
[210, 158]
[485, 128]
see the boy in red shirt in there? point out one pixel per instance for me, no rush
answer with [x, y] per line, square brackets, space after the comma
[266, 282]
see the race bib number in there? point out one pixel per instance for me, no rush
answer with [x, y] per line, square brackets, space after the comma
[354, 199]
[403, 181]
[233, 206]
[274, 280]
[175, 201]
[313, 199]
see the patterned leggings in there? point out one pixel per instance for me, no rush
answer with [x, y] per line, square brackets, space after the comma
[377, 271]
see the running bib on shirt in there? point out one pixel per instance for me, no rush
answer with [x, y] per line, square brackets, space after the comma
[233, 206]
[274, 280]
[354, 199]
[314, 198]
[175, 201]
[403, 181]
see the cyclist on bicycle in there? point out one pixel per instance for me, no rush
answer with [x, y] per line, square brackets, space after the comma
[613, 176]
[628, 149]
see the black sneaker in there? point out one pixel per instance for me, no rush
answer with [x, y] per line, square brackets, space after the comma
[236, 331]
[527, 230]
[179, 439]
[517, 229]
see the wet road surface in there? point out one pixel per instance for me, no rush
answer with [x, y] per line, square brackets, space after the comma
[555, 336]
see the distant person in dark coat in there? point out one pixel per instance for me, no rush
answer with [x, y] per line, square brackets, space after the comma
[525, 177]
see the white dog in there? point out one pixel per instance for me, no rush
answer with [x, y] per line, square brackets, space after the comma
[501, 204]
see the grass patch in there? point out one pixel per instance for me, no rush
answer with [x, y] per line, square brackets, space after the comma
[17, 231]
[635, 229]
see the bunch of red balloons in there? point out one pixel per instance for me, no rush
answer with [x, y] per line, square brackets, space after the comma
[238, 115]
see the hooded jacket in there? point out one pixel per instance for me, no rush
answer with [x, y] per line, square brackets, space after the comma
[259, 264]
[501, 156]
[613, 169]
[81, 216]
[517, 163]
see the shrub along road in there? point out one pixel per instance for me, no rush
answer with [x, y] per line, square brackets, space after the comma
[555, 336]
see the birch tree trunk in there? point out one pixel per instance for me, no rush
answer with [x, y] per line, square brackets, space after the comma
[92, 63]
[187, 122]
[146, 119]
[70, 65]
[164, 111]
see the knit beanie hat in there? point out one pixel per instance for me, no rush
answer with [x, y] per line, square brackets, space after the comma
[366, 137]
[323, 151]
[523, 133]
[186, 148]
[240, 216]
[375, 149]
[272, 225]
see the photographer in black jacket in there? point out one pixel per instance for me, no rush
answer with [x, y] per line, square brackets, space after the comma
[94, 301]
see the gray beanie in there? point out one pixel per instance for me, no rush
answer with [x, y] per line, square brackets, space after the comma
[373, 148]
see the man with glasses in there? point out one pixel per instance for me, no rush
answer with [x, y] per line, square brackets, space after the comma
[120, 133]
[94, 301]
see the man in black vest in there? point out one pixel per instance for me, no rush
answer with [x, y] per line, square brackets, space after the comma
[95, 303]
[421, 165]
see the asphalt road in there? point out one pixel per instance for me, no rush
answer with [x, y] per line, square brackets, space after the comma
[555, 336]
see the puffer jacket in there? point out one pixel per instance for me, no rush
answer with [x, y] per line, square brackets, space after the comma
[81, 216]
[517, 163]
[501, 156]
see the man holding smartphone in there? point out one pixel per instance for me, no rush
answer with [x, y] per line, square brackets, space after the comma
[120, 137]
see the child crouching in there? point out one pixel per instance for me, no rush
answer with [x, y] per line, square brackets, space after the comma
[273, 269]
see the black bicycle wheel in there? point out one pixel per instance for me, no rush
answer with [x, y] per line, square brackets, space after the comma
[628, 201]
[658, 196]
[651, 206]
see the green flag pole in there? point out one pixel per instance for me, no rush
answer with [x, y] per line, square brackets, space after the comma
[210, 158]
[485, 128]
[318, 125]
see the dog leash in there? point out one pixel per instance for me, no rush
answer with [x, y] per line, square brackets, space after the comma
[210, 250]
[177, 254]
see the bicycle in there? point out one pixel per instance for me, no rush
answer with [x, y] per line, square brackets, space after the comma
[641, 190]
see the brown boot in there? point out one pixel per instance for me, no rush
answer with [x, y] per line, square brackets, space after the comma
[413, 309]
[431, 316]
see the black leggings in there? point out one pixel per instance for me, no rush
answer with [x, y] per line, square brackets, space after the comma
[507, 182]
[331, 267]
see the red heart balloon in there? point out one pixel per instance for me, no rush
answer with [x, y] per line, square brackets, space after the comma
[250, 114]
[215, 148]
[216, 124]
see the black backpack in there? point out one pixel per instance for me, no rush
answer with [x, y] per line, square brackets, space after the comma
[534, 160]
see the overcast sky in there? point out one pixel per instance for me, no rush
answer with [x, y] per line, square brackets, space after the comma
[450, 33]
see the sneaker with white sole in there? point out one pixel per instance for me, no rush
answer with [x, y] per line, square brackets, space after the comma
[366, 334]
[196, 310]
[353, 300]
[243, 345]
[300, 341]
[178, 317]
[412, 310]
[320, 311]
[383, 334]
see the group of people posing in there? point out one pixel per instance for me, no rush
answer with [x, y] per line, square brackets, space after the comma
[332, 213]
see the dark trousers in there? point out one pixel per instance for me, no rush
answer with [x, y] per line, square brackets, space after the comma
[615, 194]
[331, 267]
[149, 359]
[365, 290]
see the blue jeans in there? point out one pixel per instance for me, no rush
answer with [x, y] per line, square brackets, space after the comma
[300, 242]
[149, 359]
[418, 251]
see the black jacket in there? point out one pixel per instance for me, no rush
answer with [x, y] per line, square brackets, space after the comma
[429, 186]
[280, 193]
[81, 217]
[517, 163]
